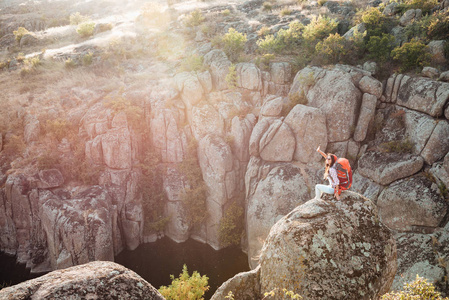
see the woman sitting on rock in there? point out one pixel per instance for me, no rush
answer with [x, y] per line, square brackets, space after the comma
[339, 174]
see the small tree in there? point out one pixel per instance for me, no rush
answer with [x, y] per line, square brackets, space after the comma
[86, 29]
[411, 55]
[77, 18]
[231, 77]
[186, 287]
[333, 48]
[379, 48]
[233, 44]
[19, 33]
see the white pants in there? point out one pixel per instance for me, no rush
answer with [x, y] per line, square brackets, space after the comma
[321, 188]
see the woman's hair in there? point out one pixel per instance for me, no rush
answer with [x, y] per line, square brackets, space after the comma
[327, 166]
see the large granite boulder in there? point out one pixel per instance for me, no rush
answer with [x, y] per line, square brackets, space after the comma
[334, 92]
[384, 168]
[412, 204]
[94, 280]
[272, 140]
[309, 128]
[327, 247]
[280, 190]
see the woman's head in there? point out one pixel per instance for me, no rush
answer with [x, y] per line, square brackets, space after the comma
[330, 159]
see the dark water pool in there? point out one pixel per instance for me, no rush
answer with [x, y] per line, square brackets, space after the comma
[12, 273]
[155, 262]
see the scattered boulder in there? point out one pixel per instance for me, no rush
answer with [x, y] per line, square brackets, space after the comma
[99, 279]
[277, 143]
[410, 16]
[438, 144]
[367, 112]
[248, 76]
[219, 67]
[412, 204]
[436, 49]
[28, 39]
[338, 98]
[328, 247]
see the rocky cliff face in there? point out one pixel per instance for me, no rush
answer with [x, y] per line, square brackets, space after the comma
[95, 280]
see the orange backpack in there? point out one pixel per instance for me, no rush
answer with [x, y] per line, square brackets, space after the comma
[344, 173]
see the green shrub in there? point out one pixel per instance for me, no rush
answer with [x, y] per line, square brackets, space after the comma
[264, 62]
[285, 12]
[425, 5]
[287, 40]
[19, 33]
[231, 226]
[438, 27]
[192, 62]
[411, 55]
[186, 286]
[332, 49]
[231, 77]
[226, 12]
[233, 44]
[291, 38]
[87, 59]
[401, 146]
[418, 289]
[195, 18]
[376, 23]
[380, 48]
[86, 29]
[293, 100]
[263, 31]
[269, 44]
[69, 63]
[321, 2]
[267, 6]
[319, 28]
[77, 18]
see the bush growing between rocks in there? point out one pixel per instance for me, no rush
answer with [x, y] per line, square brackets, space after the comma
[231, 226]
[86, 29]
[233, 44]
[77, 18]
[231, 77]
[186, 286]
[332, 49]
[411, 55]
[438, 28]
[319, 28]
[19, 33]
[379, 48]
[195, 18]
[286, 39]
[134, 113]
[418, 289]
[192, 62]
[285, 12]
[402, 146]
[424, 5]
